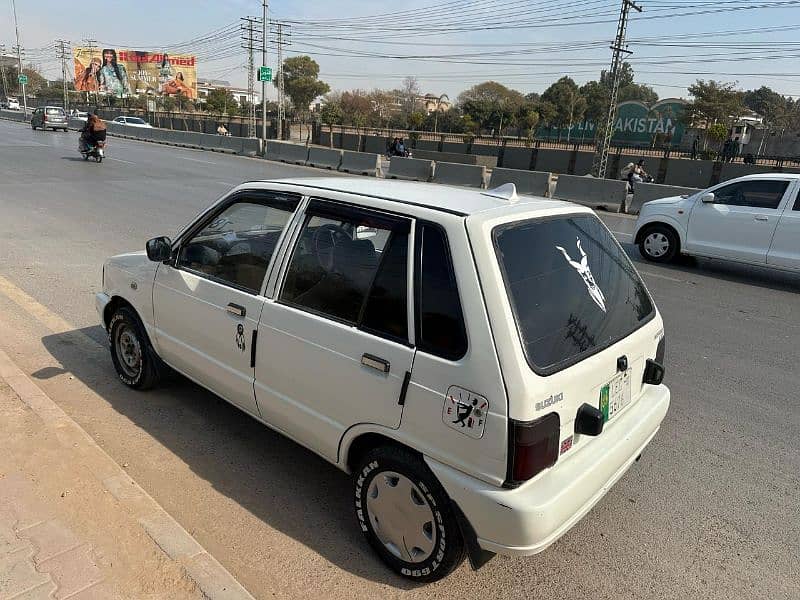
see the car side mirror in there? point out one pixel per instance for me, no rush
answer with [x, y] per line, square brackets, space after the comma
[159, 249]
[707, 198]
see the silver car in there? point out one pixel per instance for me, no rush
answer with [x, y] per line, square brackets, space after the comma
[52, 117]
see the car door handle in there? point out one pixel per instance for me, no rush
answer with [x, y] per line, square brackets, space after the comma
[236, 310]
[761, 218]
[375, 362]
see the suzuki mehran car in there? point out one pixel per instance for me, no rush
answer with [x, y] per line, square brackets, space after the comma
[485, 365]
[49, 117]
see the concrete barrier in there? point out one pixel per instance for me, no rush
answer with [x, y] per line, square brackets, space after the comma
[555, 161]
[324, 158]
[451, 157]
[414, 169]
[296, 154]
[645, 192]
[375, 144]
[516, 158]
[361, 163]
[689, 173]
[589, 191]
[534, 183]
[459, 174]
[350, 141]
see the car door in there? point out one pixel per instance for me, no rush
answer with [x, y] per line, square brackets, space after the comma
[740, 222]
[334, 345]
[207, 301]
[785, 249]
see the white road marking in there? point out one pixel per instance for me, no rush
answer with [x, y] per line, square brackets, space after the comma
[659, 276]
[207, 162]
[127, 162]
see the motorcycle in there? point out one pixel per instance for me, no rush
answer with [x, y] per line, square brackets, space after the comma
[95, 150]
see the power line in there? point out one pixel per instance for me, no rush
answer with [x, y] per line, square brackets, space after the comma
[63, 50]
[249, 36]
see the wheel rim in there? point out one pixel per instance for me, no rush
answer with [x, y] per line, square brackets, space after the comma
[656, 244]
[129, 350]
[401, 517]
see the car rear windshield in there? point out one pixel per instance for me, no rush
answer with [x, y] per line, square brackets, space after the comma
[572, 289]
[55, 111]
[135, 121]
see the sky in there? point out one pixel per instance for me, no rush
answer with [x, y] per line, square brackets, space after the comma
[449, 45]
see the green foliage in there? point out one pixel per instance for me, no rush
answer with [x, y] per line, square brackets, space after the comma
[301, 82]
[570, 105]
[598, 94]
[415, 119]
[491, 104]
[221, 101]
[714, 102]
[332, 113]
[717, 132]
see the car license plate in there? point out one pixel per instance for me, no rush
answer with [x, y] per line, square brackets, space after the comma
[615, 395]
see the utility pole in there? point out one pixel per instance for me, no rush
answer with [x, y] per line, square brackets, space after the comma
[281, 42]
[19, 56]
[264, 29]
[600, 163]
[249, 37]
[62, 50]
[3, 71]
[92, 44]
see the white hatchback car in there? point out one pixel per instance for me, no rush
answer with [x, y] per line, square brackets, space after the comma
[132, 122]
[753, 219]
[485, 365]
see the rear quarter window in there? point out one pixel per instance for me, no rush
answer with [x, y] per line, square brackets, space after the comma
[572, 288]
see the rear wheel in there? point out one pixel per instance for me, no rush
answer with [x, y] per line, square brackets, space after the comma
[406, 515]
[659, 244]
[134, 359]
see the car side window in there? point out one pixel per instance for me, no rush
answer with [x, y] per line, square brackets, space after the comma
[797, 202]
[350, 264]
[235, 246]
[439, 317]
[764, 193]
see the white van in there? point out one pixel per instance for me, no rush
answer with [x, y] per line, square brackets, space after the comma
[485, 365]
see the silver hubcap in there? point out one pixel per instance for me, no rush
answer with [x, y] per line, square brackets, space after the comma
[401, 517]
[656, 244]
[129, 351]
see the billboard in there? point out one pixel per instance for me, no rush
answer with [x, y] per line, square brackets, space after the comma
[636, 124]
[134, 72]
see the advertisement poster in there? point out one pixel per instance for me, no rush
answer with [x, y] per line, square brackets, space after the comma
[133, 72]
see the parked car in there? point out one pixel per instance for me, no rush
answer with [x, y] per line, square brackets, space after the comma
[132, 122]
[486, 366]
[753, 219]
[79, 115]
[13, 104]
[49, 117]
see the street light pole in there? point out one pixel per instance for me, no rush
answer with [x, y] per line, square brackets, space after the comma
[264, 30]
[19, 56]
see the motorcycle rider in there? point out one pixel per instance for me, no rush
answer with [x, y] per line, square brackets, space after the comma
[93, 131]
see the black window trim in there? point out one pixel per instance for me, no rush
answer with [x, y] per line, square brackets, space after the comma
[565, 364]
[262, 197]
[418, 288]
[726, 184]
[330, 209]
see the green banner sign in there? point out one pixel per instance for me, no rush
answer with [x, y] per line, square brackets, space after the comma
[264, 74]
[23, 79]
[636, 124]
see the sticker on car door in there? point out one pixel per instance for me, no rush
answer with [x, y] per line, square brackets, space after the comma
[465, 411]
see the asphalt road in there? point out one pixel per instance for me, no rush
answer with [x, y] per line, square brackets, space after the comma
[711, 511]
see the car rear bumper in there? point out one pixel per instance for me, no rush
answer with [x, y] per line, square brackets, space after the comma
[528, 519]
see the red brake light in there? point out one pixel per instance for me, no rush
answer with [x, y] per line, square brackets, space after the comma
[533, 447]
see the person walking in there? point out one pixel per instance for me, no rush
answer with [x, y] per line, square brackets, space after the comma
[695, 147]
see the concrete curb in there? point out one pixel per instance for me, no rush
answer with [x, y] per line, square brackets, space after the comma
[214, 580]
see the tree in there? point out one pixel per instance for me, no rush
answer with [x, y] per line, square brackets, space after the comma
[415, 119]
[714, 102]
[384, 104]
[598, 94]
[767, 103]
[409, 94]
[221, 100]
[491, 104]
[301, 83]
[356, 108]
[332, 113]
[168, 103]
[717, 132]
[569, 105]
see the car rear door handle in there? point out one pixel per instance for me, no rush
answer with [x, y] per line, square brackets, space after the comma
[761, 218]
[375, 362]
[236, 310]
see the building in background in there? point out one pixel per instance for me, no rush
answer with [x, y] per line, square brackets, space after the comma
[240, 95]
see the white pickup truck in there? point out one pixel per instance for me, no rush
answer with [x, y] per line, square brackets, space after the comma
[753, 220]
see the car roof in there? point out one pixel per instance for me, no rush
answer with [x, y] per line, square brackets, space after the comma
[768, 176]
[451, 199]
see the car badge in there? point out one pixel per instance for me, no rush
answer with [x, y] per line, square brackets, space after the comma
[585, 272]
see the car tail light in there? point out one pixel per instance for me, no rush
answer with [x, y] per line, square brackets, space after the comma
[654, 368]
[533, 447]
[661, 350]
[44, 118]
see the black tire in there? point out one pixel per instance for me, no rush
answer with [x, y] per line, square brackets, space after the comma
[659, 243]
[138, 374]
[425, 491]
[33, 126]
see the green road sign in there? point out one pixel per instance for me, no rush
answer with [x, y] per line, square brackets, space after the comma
[265, 74]
[23, 79]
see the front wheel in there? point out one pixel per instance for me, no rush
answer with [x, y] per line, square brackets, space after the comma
[406, 515]
[659, 244]
[134, 359]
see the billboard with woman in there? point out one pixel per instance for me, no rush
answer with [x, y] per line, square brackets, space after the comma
[124, 73]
